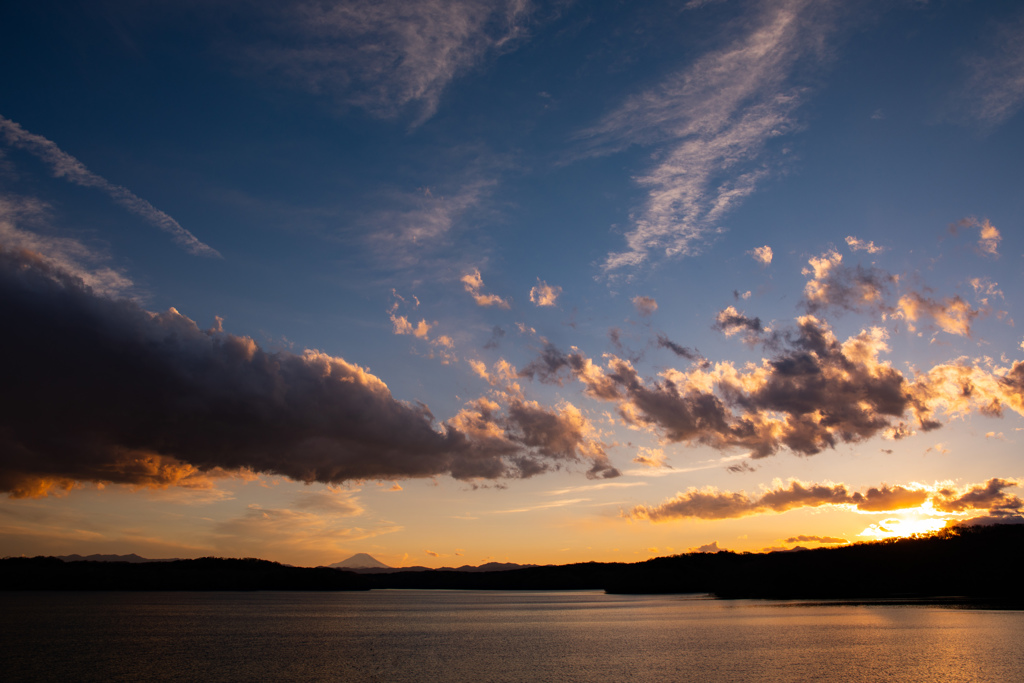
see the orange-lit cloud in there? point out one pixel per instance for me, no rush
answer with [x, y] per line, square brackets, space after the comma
[856, 244]
[989, 236]
[543, 294]
[645, 305]
[762, 255]
[474, 284]
[835, 285]
[824, 540]
[711, 503]
[816, 392]
[952, 315]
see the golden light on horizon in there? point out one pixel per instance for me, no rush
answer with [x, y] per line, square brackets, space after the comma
[901, 527]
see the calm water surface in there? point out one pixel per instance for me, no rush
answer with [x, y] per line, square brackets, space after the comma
[462, 636]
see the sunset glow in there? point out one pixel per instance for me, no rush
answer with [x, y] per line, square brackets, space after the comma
[459, 282]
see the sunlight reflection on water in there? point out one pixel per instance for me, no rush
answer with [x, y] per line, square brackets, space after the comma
[495, 636]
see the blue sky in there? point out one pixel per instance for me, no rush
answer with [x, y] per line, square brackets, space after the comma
[539, 282]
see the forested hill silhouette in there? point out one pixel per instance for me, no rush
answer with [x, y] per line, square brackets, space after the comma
[976, 563]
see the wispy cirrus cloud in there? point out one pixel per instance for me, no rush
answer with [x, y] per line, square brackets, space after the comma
[994, 91]
[65, 253]
[63, 165]
[715, 119]
[386, 56]
[421, 224]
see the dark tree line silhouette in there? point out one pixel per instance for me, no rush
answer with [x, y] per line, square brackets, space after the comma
[974, 563]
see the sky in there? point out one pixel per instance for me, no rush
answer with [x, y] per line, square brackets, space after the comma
[454, 282]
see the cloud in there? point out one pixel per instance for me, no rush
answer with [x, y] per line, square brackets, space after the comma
[815, 393]
[63, 253]
[989, 496]
[533, 437]
[885, 498]
[836, 286]
[645, 305]
[824, 540]
[650, 457]
[710, 503]
[681, 351]
[994, 92]
[543, 294]
[952, 315]
[150, 399]
[421, 330]
[63, 165]
[860, 245]
[497, 332]
[988, 235]
[716, 120]
[385, 56]
[762, 255]
[730, 321]
[474, 284]
[709, 548]
[422, 222]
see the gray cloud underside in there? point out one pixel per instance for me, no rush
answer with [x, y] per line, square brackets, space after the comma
[713, 504]
[815, 393]
[98, 389]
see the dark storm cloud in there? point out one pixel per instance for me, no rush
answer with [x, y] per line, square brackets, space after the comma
[97, 389]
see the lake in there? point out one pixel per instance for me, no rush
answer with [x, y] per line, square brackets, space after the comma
[463, 636]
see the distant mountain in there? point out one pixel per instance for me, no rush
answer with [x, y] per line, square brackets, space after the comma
[384, 569]
[109, 558]
[360, 561]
